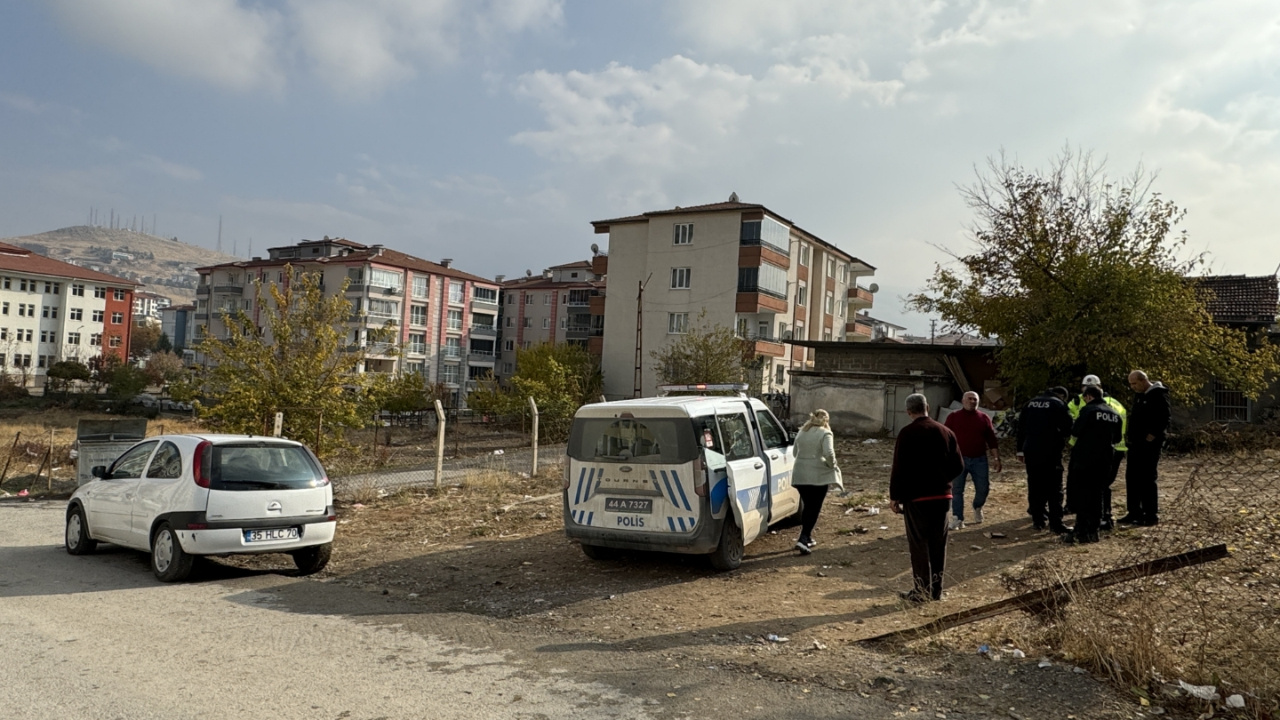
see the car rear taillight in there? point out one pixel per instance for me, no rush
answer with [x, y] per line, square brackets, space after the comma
[566, 473]
[202, 464]
[699, 477]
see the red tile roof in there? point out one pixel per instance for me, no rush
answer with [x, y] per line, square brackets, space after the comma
[1238, 298]
[360, 253]
[21, 260]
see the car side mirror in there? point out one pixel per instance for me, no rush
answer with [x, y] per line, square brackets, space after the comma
[100, 471]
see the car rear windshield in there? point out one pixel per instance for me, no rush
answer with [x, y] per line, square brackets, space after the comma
[263, 466]
[669, 441]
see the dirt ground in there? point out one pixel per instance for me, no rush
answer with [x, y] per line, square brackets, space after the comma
[493, 549]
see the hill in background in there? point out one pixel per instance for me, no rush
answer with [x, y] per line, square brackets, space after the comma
[164, 266]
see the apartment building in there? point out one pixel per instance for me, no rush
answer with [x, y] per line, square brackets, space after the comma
[177, 322]
[445, 320]
[562, 305]
[52, 311]
[149, 305]
[736, 264]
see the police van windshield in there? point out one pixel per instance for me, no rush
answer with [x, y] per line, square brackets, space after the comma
[668, 441]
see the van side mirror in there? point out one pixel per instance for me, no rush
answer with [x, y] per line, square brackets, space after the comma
[99, 471]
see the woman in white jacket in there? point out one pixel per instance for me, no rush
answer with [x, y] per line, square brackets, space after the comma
[815, 472]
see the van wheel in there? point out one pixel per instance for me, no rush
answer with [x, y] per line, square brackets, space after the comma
[596, 552]
[728, 554]
[311, 560]
[169, 561]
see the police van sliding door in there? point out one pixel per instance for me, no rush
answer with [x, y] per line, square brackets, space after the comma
[748, 478]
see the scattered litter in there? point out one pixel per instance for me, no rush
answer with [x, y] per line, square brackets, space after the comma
[997, 536]
[984, 649]
[413, 596]
[870, 441]
[1204, 692]
[873, 510]
[1079, 670]
[1017, 653]
[819, 646]
[611, 597]
[523, 475]
[358, 506]
[884, 527]
[975, 547]
[821, 574]
[1044, 663]
[539, 516]
[849, 511]
[23, 492]
[499, 452]
[1235, 701]
[382, 492]
[771, 637]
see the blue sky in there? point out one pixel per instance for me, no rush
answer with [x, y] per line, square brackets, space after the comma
[493, 131]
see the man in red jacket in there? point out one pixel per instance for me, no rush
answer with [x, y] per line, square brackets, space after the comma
[976, 434]
[926, 457]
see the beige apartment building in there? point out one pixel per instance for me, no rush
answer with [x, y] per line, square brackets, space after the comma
[445, 320]
[565, 304]
[735, 264]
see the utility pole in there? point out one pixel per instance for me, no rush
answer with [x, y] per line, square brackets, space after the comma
[639, 333]
[932, 324]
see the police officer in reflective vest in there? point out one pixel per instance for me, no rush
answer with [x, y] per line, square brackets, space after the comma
[1096, 432]
[1120, 449]
[1043, 429]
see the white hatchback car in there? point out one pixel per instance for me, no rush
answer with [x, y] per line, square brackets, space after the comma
[179, 496]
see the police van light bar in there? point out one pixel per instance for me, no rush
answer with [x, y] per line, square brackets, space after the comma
[740, 388]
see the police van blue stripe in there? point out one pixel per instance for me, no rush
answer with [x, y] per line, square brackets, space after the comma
[590, 517]
[681, 521]
[587, 495]
[671, 523]
[683, 498]
[671, 495]
[577, 496]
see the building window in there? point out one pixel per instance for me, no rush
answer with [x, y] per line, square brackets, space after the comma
[77, 289]
[49, 312]
[98, 315]
[96, 339]
[421, 286]
[24, 284]
[417, 343]
[52, 287]
[99, 292]
[118, 294]
[506, 368]
[77, 314]
[384, 309]
[4, 333]
[826, 335]
[766, 232]
[509, 345]
[528, 298]
[417, 314]
[48, 336]
[802, 295]
[115, 341]
[804, 255]
[21, 360]
[680, 278]
[24, 335]
[769, 279]
[528, 322]
[8, 285]
[73, 338]
[829, 303]
[831, 267]
[485, 295]
[1229, 405]
[683, 234]
[546, 323]
[546, 298]
[453, 347]
[386, 279]
[763, 329]
[511, 298]
[455, 320]
[511, 321]
[26, 310]
[4, 308]
[449, 374]
[678, 323]
[781, 376]
[455, 293]
[117, 318]
[844, 273]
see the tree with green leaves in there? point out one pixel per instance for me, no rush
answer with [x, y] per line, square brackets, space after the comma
[1077, 273]
[164, 344]
[163, 368]
[559, 377]
[143, 340]
[706, 354]
[298, 363]
[60, 375]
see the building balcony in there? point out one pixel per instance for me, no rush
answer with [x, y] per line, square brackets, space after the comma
[202, 316]
[379, 290]
[484, 330]
[484, 303]
[451, 353]
[578, 333]
[228, 289]
[860, 327]
[481, 357]
[765, 345]
[202, 290]
[759, 302]
[356, 287]
[859, 298]
[416, 348]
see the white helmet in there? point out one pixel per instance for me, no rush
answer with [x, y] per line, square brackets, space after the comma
[1091, 380]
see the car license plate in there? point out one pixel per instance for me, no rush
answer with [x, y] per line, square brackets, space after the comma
[628, 505]
[269, 534]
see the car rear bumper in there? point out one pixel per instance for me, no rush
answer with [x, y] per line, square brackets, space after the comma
[704, 538]
[227, 541]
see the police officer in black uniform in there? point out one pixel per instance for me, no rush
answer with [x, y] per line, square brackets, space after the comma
[1097, 430]
[1043, 429]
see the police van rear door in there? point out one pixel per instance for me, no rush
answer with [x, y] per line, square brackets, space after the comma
[748, 476]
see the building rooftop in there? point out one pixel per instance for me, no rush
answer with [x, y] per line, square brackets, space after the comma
[1239, 298]
[356, 254]
[21, 260]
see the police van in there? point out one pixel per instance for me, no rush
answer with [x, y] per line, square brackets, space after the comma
[694, 474]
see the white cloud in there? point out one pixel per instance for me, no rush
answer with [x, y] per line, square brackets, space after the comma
[171, 170]
[23, 103]
[217, 41]
[357, 47]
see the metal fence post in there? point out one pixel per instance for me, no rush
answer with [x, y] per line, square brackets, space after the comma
[533, 407]
[439, 442]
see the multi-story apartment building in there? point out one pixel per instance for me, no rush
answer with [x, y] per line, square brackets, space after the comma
[445, 320]
[51, 311]
[741, 264]
[149, 305]
[554, 307]
[177, 324]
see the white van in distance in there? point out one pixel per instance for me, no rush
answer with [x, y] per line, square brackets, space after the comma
[692, 474]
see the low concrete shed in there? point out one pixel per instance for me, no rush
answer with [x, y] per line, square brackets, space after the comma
[864, 385]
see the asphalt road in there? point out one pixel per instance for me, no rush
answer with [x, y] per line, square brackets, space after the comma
[98, 637]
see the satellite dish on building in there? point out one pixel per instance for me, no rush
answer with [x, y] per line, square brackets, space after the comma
[595, 249]
[873, 288]
[528, 273]
[733, 197]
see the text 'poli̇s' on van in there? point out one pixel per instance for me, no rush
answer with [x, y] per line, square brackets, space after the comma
[696, 474]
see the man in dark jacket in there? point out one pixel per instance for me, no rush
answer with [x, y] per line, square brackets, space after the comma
[1043, 429]
[1148, 422]
[1096, 432]
[926, 457]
